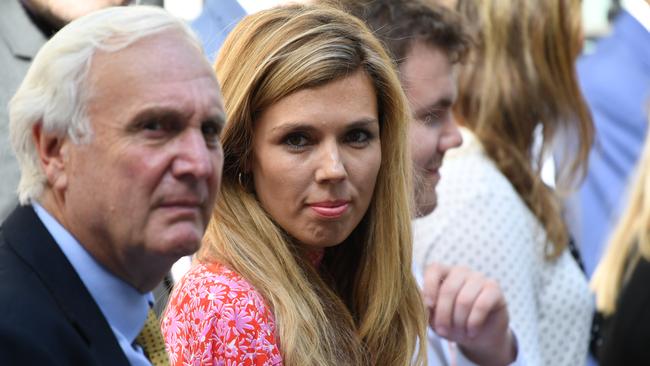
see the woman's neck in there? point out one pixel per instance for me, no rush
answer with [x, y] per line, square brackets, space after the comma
[314, 255]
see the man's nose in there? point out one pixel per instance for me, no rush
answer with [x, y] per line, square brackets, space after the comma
[194, 157]
[331, 166]
[450, 136]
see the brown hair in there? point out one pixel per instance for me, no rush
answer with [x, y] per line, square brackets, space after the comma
[398, 24]
[521, 76]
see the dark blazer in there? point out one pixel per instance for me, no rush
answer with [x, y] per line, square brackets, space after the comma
[47, 316]
[625, 341]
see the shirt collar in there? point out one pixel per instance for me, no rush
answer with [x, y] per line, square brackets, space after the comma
[124, 307]
[640, 10]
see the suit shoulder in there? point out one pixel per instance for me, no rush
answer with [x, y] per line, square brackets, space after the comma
[33, 327]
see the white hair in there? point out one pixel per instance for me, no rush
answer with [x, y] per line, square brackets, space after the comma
[54, 91]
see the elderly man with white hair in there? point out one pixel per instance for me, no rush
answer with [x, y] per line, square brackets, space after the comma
[25, 25]
[116, 129]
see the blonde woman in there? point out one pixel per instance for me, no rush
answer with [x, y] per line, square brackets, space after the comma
[495, 214]
[621, 279]
[307, 260]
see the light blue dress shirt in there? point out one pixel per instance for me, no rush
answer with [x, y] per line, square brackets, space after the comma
[124, 307]
[217, 19]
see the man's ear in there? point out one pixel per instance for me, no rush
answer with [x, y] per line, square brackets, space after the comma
[52, 152]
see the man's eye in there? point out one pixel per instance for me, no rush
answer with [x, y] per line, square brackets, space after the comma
[433, 117]
[211, 132]
[154, 125]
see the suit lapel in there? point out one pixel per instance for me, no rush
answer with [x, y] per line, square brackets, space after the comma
[28, 237]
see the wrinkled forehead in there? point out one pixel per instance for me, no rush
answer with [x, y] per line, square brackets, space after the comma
[163, 69]
[155, 50]
[169, 56]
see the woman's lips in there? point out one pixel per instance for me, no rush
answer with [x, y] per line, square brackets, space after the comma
[330, 209]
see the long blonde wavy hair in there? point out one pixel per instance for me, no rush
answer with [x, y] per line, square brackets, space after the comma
[521, 75]
[362, 305]
[630, 240]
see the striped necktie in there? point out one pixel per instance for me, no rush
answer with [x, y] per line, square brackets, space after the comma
[151, 341]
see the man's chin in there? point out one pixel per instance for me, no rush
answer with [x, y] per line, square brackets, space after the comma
[425, 208]
[425, 204]
[181, 242]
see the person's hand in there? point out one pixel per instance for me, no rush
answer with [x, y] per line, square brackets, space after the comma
[467, 308]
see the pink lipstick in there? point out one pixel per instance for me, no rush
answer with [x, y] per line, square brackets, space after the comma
[331, 209]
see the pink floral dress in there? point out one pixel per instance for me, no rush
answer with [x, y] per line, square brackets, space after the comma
[215, 317]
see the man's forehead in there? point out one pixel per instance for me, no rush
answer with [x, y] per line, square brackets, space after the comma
[153, 51]
[164, 69]
[163, 56]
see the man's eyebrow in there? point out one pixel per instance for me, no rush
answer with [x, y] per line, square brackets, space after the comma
[439, 105]
[161, 112]
[157, 112]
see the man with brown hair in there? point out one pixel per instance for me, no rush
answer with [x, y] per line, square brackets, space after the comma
[426, 41]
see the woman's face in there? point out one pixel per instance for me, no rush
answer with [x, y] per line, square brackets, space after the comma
[316, 155]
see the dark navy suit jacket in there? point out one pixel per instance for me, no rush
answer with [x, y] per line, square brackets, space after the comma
[47, 316]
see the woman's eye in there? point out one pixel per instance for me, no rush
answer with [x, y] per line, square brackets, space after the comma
[358, 137]
[296, 140]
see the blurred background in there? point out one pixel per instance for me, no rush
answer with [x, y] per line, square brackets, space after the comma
[213, 19]
[595, 11]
